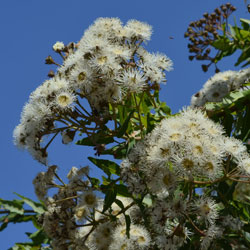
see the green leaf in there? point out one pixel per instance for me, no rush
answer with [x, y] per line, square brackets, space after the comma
[110, 196]
[131, 144]
[222, 44]
[128, 223]
[3, 226]
[166, 109]
[37, 207]
[146, 104]
[95, 182]
[109, 167]
[117, 151]
[39, 237]
[245, 34]
[15, 206]
[244, 56]
[233, 33]
[15, 218]
[100, 137]
[122, 190]
[124, 126]
[245, 20]
[119, 203]
[228, 123]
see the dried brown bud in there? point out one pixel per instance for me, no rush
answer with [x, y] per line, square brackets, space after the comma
[199, 57]
[49, 60]
[51, 73]
[203, 20]
[199, 24]
[233, 8]
[192, 24]
[208, 50]
[71, 45]
[213, 15]
[217, 11]
[197, 94]
[217, 70]
[206, 15]
[191, 58]
[223, 8]
[87, 56]
[204, 67]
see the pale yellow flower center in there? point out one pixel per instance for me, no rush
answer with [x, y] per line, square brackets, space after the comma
[188, 164]
[90, 199]
[102, 60]
[63, 100]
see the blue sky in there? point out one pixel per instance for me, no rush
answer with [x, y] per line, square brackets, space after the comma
[29, 28]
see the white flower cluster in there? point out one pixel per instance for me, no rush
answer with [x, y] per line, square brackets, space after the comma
[219, 86]
[188, 147]
[107, 65]
[74, 217]
[110, 61]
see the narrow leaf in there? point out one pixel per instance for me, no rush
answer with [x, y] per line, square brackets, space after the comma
[37, 207]
[128, 223]
[124, 126]
[14, 206]
[109, 199]
[109, 167]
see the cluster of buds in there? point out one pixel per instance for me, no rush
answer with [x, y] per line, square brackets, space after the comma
[204, 32]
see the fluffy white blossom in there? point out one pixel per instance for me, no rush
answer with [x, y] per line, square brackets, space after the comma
[58, 46]
[218, 86]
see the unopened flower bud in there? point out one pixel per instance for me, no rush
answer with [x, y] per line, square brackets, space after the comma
[206, 15]
[51, 74]
[49, 60]
[204, 67]
[191, 58]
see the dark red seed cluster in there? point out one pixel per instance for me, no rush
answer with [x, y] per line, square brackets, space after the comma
[204, 32]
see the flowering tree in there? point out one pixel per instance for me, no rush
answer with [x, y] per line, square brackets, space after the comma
[180, 181]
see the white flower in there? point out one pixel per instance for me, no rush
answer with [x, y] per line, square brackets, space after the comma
[234, 147]
[138, 29]
[216, 88]
[212, 232]
[58, 46]
[140, 236]
[242, 77]
[161, 181]
[132, 80]
[88, 199]
[101, 237]
[103, 62]
[206, 208]
[245, 165]
[81, 212]
[159, 60]
[65, 100]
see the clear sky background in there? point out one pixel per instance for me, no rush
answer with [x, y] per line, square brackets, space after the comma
[29, 28]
